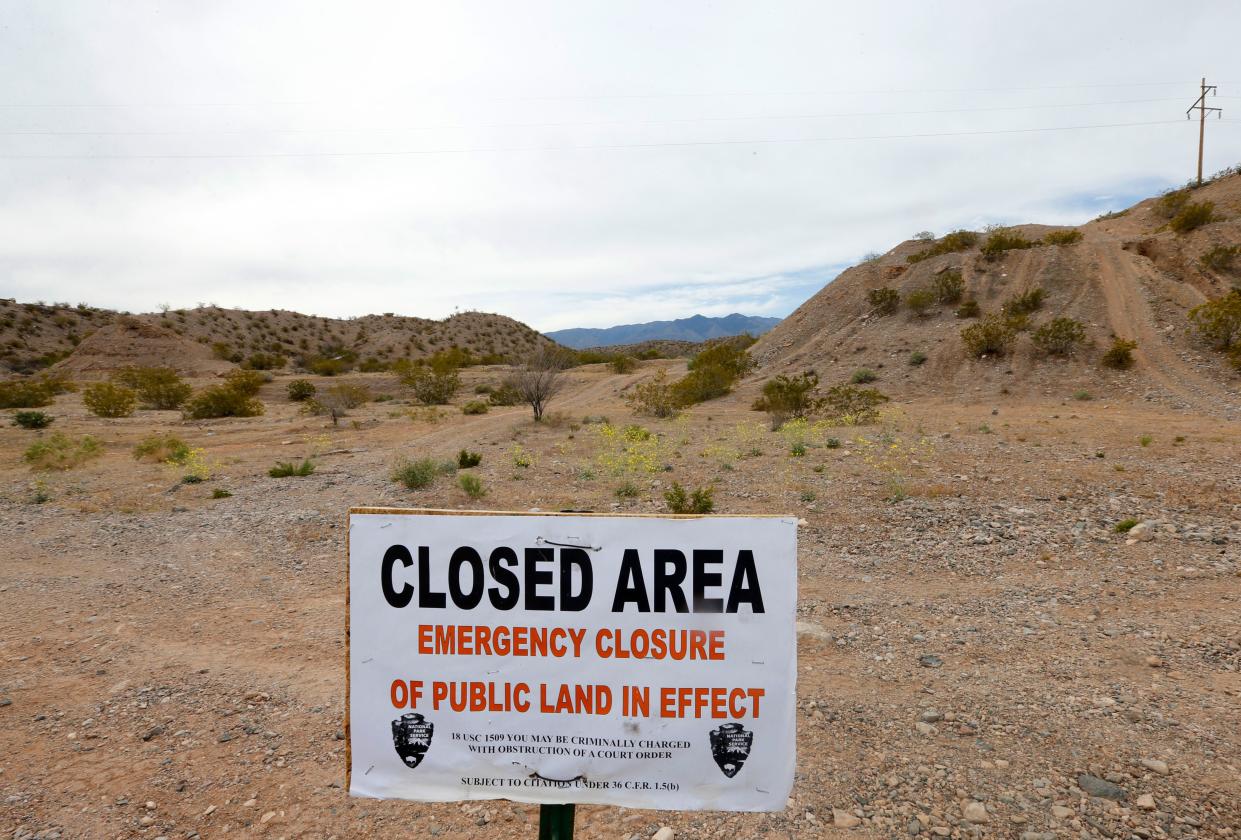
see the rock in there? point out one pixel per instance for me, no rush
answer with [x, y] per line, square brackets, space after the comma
[930, 660]
[225, 737]
[1142, 532]
[1060, 812]
[152, 733]
[843, 819]
[664, 833]
[976, 812]
[1155, 766]
[925, 728]
[1094, 786]
[1146, 802]
[1154, 662]
[930, 716]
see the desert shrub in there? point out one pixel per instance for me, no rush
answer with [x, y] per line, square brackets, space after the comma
[849, 405]
[325, 366]
[245, 382]
[336, 401]
[1219, 321]
[698, 501]
[415, 475]
[917, 358]
[1068, 236]
[1220, 258]
[1124, 526]
[300, 390]
[654, 396]
[1120, 355]
[107, 399]
[957, 240]
[948, 287]
[290, 469]
[862, 376]
[1082, 396]
[59, 452]
[969, 309]
[884, 301]
[924, 236]
[1059, 336]
[506, 393]
[628, 490]
[1194, 215]
[467, 459]
[789, 396]
[163, 449]
[1024, 303]
[1171, 203]
[264, 361]
[433, 381]
[472, 485]
[158, 388]
[920, 301]
[1003, 240]
[221, 401]
[25, 393]
[540, 378]
[32, 419]
[992, 336]
[221, 493]
[623, 364]
[713, 372]
[475, 407]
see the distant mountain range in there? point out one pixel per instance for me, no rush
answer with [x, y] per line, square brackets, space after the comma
[694, 328]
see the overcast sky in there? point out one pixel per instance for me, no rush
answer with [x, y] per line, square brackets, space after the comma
[570, 163]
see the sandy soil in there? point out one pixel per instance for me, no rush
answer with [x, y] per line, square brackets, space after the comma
[172, 665]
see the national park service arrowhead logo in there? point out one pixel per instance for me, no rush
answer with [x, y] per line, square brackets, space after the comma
[730, 747]
[411, 735]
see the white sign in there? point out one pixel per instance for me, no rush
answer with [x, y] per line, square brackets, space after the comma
[649, 662]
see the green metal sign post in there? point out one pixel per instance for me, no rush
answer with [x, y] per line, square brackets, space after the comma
[556, 822]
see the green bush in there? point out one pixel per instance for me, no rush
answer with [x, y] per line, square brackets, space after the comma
[107, 399]
[506, 393]
[698, 501]
[920, 301]
[712, 373]
[58, 452]
[785, 397]
[884, 301]
[163, 449]
[158, 388]
[623, 364]
[1220, 258]
[1025, 303]
[917, 358]
[1124, 526]
[432, 383]
[415, 475]
[969, 309]
[1171, 203]
[1219, 321]
[221, 493]
[300, 390]
[849, 405]
[288, 469]
[264, 361]
[862, 376]
[628, 490]
[654, 396]
[245, 382]
[958, 240]
[948, 287]
[25, 393]
[323, 366]
[992, 336]
[467, 459]
[1120, 355]
[475, 407]
[1068, 236]
[472, 485]
[1003, 240]
[1194, 215]
[221, 401]
[1059, 336]
[32, 419]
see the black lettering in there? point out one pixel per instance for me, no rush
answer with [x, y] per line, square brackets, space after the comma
[427, 598]
[740, 592]
[535, 601]
[461, 557]
[703, 579]
[570, 557]
[503, 576]
[669, 582]
[394, 554]
[631, 586]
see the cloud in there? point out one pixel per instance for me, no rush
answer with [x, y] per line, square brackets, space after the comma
[567, 164]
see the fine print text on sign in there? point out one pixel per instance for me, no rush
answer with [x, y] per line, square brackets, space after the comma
[648, 662]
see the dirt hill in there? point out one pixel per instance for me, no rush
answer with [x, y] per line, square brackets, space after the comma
[33, 336]
[1129, 276]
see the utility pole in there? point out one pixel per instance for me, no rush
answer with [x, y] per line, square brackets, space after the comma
[1201, 105]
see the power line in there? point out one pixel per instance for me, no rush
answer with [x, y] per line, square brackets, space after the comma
[1201, 105]
[588, 124]
[584, 147]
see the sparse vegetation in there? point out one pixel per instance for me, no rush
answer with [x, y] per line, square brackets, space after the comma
[884, 301]
[475, 407]
[1219, 321]
[222, 401]
[1069, 236]
[163, 449]
[1120, 355]
[1004, 239]
[920, 301]
[862, 376]
[1220, 257]
[714, 371]
[300, 390]
[992, 336]
[628, 490]
[1060, 336]
[948, 287]
[623, 364]
[1024, 303]
[32, 419]
[467, 459]
[1124, 526]
[786, 397]
[849, 405]
[221, 493]
[107, 399]
[289, 469]
[433, 381]
[245, 382]
[415, 475]
[472, 485]
[158, 388]
[1171, 203]
[1193, 216]
[917, 358]
[969, 309]
[700, 500]
[958, 240]
[540, 379]
[25, 393]
[58, 452]
[654, 396]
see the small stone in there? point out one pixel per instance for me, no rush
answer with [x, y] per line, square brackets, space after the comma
[843, 819]
[1142, 532]
[266, 818]
[931, 716]
[1094, 786]
[664, 833]
[976, 812]
[930, 660]
[1155, 766]
[1146, 802]
[925, 728]
[152, 733]
[1154, 662]
[1060, 812]
[225, 737]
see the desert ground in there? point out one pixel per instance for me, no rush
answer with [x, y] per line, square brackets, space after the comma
[981, 652]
